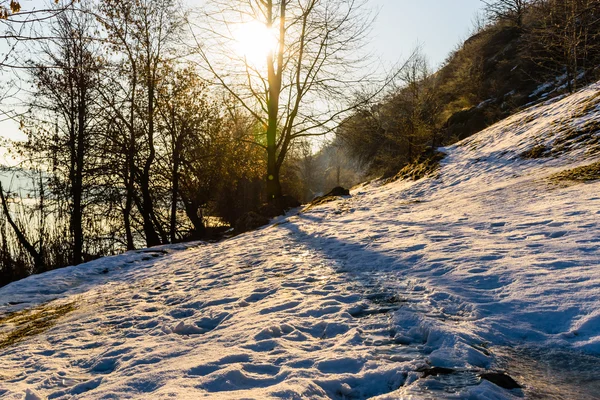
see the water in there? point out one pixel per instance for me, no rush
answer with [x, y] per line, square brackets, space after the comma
[553, 374]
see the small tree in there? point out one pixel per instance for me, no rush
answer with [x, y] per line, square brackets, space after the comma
[190, 122]
[508, 10]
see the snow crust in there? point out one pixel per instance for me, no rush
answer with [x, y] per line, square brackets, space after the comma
[351, 299]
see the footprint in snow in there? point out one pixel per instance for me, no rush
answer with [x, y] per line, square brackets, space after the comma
[180, 313]
[340, 366]
[203, 370]
[105, 365]
[220, 302]
[554, 235]
[258, 295]
[202, 326]
[262, 369]
[77, 389]
[274, 332]
[282, 307]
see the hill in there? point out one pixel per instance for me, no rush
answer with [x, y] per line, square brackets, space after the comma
[546, 49]
[464, 284]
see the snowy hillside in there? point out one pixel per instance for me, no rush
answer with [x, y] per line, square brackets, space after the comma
[488, 267]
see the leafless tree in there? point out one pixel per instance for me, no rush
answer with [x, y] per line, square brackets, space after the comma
[565, 38]
[143, 33]
[309, 73]
[65, 84]
[510, 10]
[22, 25]
[190, 124]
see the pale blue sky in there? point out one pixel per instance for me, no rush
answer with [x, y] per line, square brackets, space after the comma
[438, 25]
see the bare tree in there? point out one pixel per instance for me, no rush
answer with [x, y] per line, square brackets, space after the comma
[144, 34]
[60, 139]
[21, 25]
[311, 65]
[190, 122]
[509, 10]
[565, 38]
[35, 254]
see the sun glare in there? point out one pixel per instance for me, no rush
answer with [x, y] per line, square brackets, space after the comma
[254, 41]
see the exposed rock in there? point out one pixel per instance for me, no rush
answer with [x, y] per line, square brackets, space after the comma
[334, 194]
[338, 191]
[501, 379]
[435, 371]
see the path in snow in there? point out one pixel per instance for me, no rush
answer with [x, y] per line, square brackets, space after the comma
[488, 266]
[251, 323]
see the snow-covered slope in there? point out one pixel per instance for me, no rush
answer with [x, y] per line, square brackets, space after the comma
[487, 267]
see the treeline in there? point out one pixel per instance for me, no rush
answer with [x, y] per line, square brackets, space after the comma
[521, 52]
[126, 144]
[148, 124]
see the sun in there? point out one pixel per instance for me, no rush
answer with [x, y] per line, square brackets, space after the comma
[254, 41]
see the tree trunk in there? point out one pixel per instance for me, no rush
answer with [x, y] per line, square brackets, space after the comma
[274, 78]
[38, 261]
[191, 211]
[130, 164]
[129, 182]
[174, 192]
[152, 238]
[77, 216]
[273, 184]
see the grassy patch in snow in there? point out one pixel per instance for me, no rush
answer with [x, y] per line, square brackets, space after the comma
[538, 151]
[580, 174]
[590, 105]
[336, 193]
[27, 323]
[321, 200]
[425, 166]
[585, 136]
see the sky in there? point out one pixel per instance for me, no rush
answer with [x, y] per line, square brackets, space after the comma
[436, 25]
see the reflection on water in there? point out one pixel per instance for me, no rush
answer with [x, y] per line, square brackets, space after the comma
[553, 373]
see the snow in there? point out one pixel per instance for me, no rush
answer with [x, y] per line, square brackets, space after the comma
[351, 299]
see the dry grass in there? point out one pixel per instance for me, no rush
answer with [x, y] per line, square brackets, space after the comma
[588, 106]
[320, 200]
[585, 136]
[426, 166]
[27, 323]
[580, 174]
[538, 151]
